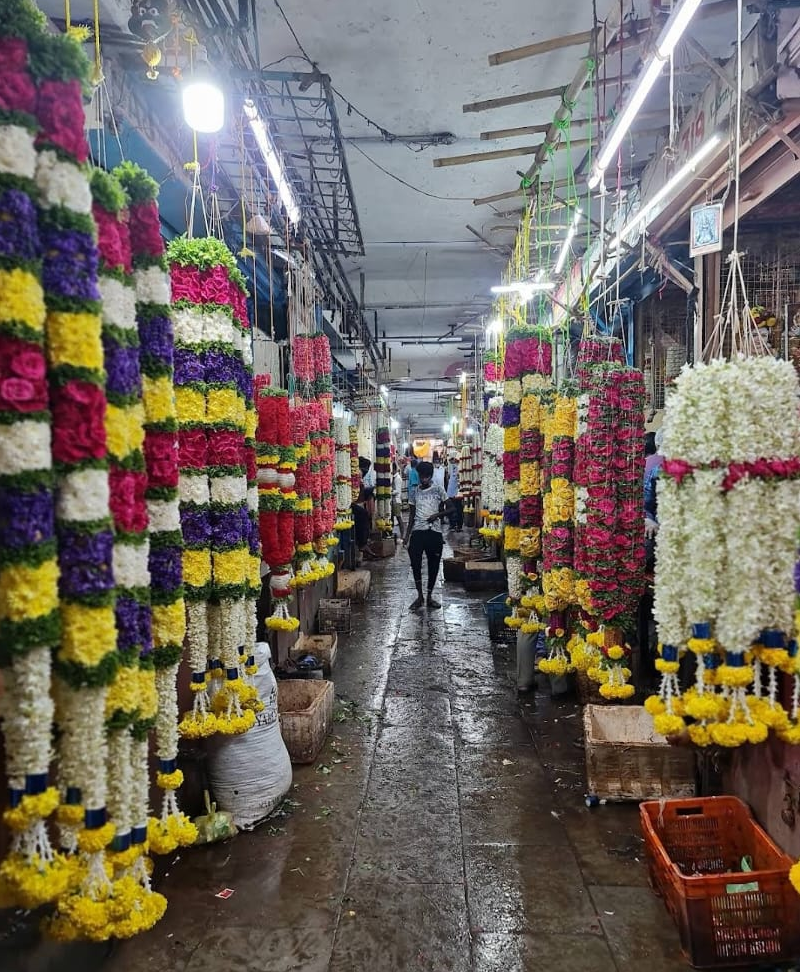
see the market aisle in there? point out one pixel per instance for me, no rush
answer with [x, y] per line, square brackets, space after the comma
[442, 828]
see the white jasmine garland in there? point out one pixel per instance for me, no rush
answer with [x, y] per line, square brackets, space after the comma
[247, 349]
[17, 152]
[81, 494]
[153, 286]
[193, 489]
[669, 604]
[252, 499]
[140, 783]
[26, 711]
[119, 303]
[120, 778]
[167, 717]
[25, 447]
[187, 324]
[229, 490]
[130, 565]
[197, 634]
[62, 183]
[164, 516]
[80, 714]
[514, 570]
[703, 528]
[512, 391]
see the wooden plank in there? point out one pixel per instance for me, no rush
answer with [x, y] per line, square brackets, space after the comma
[502, 153]
[542, 47]
[507, 100]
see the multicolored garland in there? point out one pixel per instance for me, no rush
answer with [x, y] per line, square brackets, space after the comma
[492, 481]
[32, 873]
[212, 389]
[277, 498]
[383, 479]
[171, 828]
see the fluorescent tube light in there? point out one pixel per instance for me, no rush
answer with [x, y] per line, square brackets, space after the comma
[273, 161]
[525, 288]
[562, 256]
[670, 35]
[643, 216]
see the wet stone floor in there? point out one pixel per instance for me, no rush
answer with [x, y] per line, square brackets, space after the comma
[441, 828]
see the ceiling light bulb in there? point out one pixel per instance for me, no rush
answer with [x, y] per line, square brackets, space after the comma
[203, 106]
[394, 424]
[445, 427]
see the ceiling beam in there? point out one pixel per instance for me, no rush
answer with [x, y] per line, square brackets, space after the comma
[633, 33]
[542, 94]
[540, 129]
[502, 153]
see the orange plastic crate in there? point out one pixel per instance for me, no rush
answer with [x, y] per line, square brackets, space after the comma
[725, 917]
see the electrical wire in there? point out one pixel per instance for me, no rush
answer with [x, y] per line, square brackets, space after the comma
[408, 185]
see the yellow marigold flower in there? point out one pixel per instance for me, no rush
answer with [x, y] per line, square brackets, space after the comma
[511, 439]
[225, 405]
[250, 423]
[28, 592]
[230, 566]
[74, 339]
[88, 634]
[148, 694]
[190, 405]
[158, 395]
[124, 430]
[169, 623]
[21, 298]
[123, 693]
[615, 653]
[196, 567]
[512, 537]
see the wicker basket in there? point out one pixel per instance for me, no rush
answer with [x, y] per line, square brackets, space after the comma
[334, 615]
[726, 917]
[626, 760]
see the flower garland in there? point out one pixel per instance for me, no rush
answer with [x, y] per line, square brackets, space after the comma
[213, 386]
[32, 873]
[492, 481]
[305, 567]
[729, 479]
[512, 394]
[131, 703]
[383, 478]
[344, 489]
[171, 828]
[355, 471]
[323, 482]
[277, 498]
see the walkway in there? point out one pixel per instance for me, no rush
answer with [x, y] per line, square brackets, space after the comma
[442, 828]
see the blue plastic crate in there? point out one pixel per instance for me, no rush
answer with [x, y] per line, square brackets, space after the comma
[497, 611]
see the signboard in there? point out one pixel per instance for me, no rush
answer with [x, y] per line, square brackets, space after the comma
[705, 233]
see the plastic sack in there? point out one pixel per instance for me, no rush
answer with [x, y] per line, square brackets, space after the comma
[215, 825]
[250, 774]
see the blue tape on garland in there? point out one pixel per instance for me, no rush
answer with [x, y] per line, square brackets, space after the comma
[94, 819]
[15, 797]
[702, 630]
[73, 797]
[35, 783]
[735, 659]
[772, 638]
[198, 677]
[669, 653]
[167, 765]
[138, 835]
[231, 674]
[121, 842]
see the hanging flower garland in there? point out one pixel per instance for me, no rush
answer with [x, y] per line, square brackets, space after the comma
[355, 471]
[492, 480]
[277, 498]
[212, 391]
[131, 703]
[32, 873]
[344, 489]
[728, 480]
[305, 567]
[383, 476]
[172, 828]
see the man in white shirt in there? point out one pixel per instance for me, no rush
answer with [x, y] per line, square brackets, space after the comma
[397, 498]
[438, 471]
[424, 534]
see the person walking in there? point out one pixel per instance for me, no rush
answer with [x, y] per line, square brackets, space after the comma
[413, 481]
[454, 494]
[397, 499]
[438, 471]
[424, 535]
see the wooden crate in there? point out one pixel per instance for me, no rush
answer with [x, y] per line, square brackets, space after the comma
[305, 708]
[334, 615]
[322, 647]
[489, 575]
[353, 584]
[385, 547]
[453, 569]
[627, 760]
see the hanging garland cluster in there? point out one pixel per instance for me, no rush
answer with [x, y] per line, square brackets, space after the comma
[305, 569]
[465, 475]
[168, 618]
[323, 482]
[729, 480]
[528, 363]
[316, 502]
[312, 366]
[355, 471]
[609, 532]
[132, 702]
[492, 480]
[213, 392]
[344, 489]
[277, 498]
[383, 479]
[474, 498]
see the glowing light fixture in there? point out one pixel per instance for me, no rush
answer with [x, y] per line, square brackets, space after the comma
[573, 228]
[395, 425]
[670, 35]
[384, 391]
[203, 106]
[405, 445]
[273, 161]
[446, 427]
[525, 288]
[643, 217]
[494, 327]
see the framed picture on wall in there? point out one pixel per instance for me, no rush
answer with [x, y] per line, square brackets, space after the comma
[705, 232]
